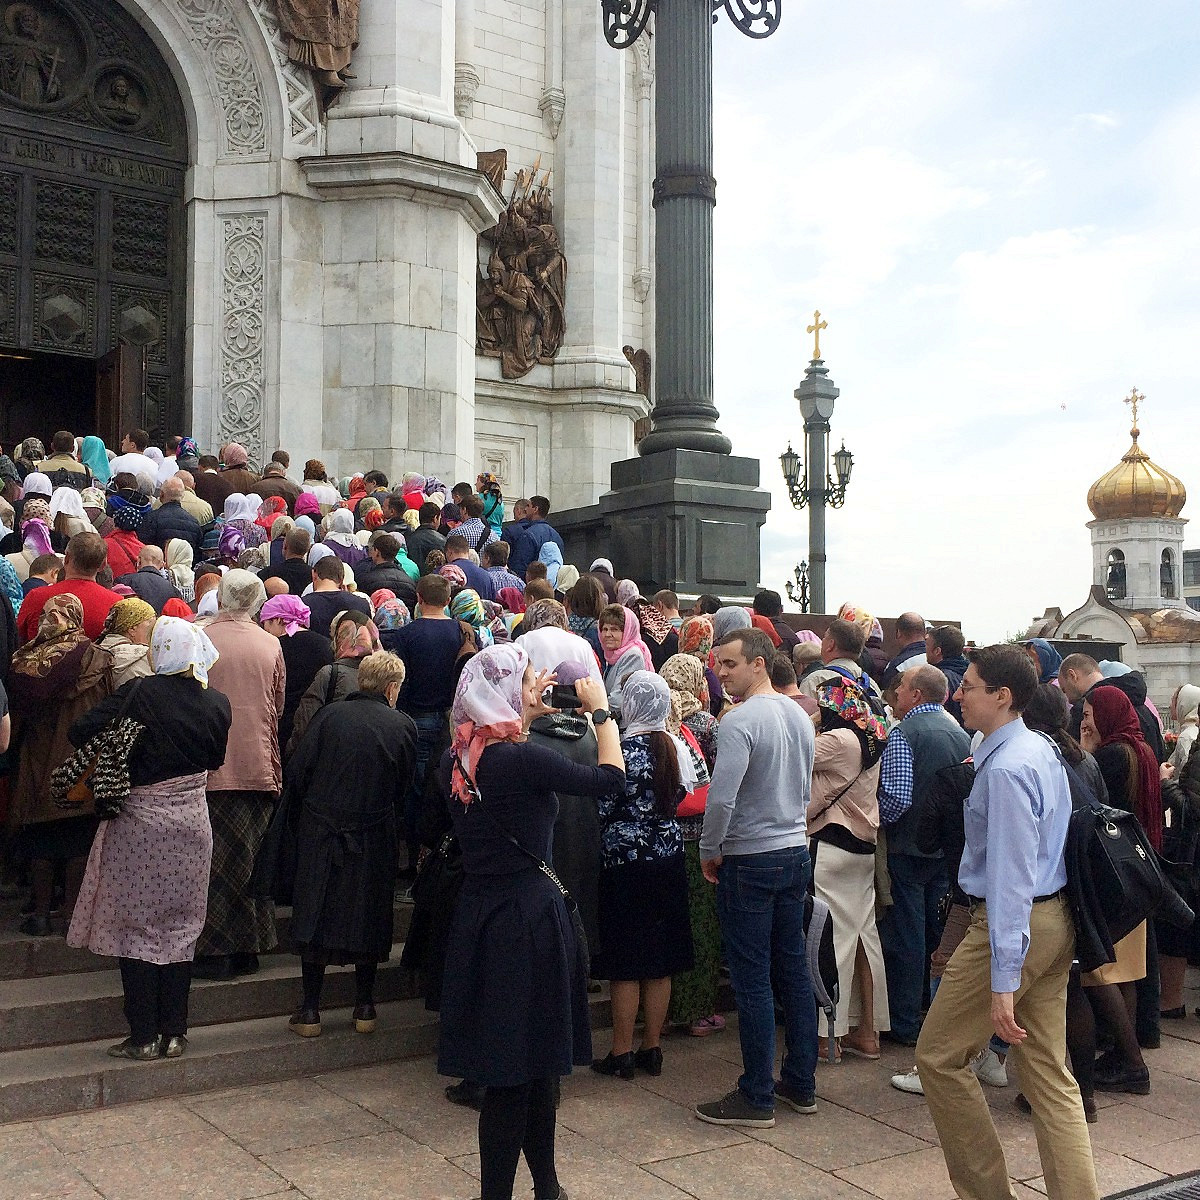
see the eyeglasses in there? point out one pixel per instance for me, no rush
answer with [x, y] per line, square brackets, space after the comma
[974, 687]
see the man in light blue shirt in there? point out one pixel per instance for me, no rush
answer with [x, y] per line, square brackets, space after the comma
[1009, 974]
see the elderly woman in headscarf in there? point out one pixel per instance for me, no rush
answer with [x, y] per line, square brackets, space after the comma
[124, 545]
[353, 636]
[694, 992]
[95, 508]
[94, 456]
[304, 652]
[514, 997]
[391, 615]
[145, 892]
[280, 528]
[52, 681]
[843, 826]
[179, 556]
[66, 513]
[1185, 712]
[242, 794]
[29, 452]
[545, 637]
[231, 545]
[465, 605]
[241, 513]
[339, 537]
[341, 816]
[645, 929]
[126, 636]
[1045, 658]
[624, 651]
[661, 640]
[455, 575]
[269, 511]
[32, 537]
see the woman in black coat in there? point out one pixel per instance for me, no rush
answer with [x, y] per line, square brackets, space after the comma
[333, 847]
[514, 995]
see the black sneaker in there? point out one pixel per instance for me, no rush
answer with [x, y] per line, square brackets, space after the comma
[796, 1100]
[735, 1109]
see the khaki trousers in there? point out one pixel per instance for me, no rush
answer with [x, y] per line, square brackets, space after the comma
[959, 1022]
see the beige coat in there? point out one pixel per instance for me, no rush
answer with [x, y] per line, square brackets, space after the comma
[837, 761]
[250, 672]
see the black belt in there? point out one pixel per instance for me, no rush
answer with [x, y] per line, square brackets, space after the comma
[973, 900]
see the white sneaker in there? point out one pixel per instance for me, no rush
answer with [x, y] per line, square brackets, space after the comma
[988, 1066]
[909, 1082]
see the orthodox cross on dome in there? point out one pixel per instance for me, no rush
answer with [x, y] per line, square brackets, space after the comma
[815, 329]
[1133, 400]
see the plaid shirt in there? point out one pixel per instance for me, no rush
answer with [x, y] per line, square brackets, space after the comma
[896, 771]
[505, 578]
[476, 532]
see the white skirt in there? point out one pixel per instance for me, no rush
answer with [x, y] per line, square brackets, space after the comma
[846, 882]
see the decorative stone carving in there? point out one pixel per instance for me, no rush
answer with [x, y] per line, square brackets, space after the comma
[642, 279]
[520, 300]
[41, 54]
[552, 105]
[241, 367]
[299, 89]
[639, 360]
[321, 36]
[216, 33]
[466, 84]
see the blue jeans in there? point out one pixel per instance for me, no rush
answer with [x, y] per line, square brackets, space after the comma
[431, 730]
[910, 931]
[760, 902]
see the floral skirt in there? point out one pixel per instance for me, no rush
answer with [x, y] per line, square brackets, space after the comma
[694, 992]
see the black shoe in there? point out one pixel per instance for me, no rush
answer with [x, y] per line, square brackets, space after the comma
[1023, 1105]
[243, 964]
[173, 1047]
[796, 1100]
[896, 1039]
[467, 1093]
[212, 966]
[1174, 1014]
[35, 926]
[306, 1023]
[735, 1109]
[364, 1018]
[1135, 1081]
[649, 1061]
[1151, 1040]
[130, 1049]
[615, 1064]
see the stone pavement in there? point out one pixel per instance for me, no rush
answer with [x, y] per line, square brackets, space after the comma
[386, 1131]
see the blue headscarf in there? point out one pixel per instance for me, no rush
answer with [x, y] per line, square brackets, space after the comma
[1049, 659]
[93, 456]
[551, 555]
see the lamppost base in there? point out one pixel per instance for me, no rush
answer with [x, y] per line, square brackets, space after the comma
[688, 520]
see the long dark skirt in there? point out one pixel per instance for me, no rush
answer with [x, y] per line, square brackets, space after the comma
[645, 928]
[694, 992]
[514, 995]
[237, 923]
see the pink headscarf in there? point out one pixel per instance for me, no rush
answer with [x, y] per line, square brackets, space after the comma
[631, 637]
[380, 596]
[290, 609]
[488, 707]
[307, 505]
[235, 455]
[35, 536]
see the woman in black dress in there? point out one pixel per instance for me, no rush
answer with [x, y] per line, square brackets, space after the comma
[514, 997]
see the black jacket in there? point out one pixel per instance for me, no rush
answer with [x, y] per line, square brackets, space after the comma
[370, 577]
[170, 521]
[1133, 685]
[152, 586]
[418, 542]
[295, 572]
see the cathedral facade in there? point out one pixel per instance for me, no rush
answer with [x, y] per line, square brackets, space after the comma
[403, 234]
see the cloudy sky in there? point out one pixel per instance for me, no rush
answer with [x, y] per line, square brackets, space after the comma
[996, 206]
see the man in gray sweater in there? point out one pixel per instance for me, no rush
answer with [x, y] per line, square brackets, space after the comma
[755, 850]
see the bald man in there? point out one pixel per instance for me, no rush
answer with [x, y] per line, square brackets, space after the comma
[200, 509]
[170, 519]
[150, 580]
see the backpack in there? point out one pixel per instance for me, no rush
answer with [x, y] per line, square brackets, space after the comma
[869, 691]
[822, 963]
[693, 804]
[61, 477]
[467, 648]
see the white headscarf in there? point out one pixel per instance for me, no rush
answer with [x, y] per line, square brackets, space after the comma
[37, 484]
[318, 552]
[340, 527]
[179, 564]
[177, 647]
[645, 707]
[488, 706]
[246, 508]
[241, 591]
[68, 501]
[232, 503]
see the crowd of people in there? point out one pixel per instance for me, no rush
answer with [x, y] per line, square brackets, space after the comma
[316, 693]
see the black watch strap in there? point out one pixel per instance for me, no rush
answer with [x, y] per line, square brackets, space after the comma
[600, 716]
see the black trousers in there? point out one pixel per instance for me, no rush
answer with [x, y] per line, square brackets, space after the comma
[512, 1120]
[156, 998]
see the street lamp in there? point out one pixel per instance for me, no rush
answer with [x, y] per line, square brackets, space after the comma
[798, 485]
[797, 593]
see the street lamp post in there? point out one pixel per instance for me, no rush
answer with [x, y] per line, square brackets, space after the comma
[797, 592]
[810, 484]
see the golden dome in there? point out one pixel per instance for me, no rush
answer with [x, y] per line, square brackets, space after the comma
[1136, 487]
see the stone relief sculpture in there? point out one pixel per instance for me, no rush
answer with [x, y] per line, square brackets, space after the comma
[322, 35]
[521, 297]
[639, 360]
[31, 66]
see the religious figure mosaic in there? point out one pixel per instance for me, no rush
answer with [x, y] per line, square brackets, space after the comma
[521, 295]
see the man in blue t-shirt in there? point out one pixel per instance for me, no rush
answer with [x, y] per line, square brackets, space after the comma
[478, 579]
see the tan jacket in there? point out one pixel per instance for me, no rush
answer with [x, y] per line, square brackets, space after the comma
[837, 762]
[250, 672]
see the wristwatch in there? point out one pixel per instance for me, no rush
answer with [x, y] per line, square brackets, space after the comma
[600, 716]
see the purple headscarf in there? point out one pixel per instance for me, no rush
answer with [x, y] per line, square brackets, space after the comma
[287, 608]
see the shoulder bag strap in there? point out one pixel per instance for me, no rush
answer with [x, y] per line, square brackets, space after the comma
[840, 794]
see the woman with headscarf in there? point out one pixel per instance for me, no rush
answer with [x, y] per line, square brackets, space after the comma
[31, 537]
[280, 528]
[551, 555]
[391, 615]
[466, 606]
[645, 930]
[353, 636]
[269, 511]
[29, 452]
[95, 508]
[661, 640]
[340, 537]
[1045, 658]
[546, 639]
[10, 585]
[694, 992]
[316, 484]
[602, 569]
[514, 1012]
[696, 639]
[126, 637]
[843, 826]
[66, 513]
[124, 545]
[455, 575]
[624, 651]
[340, 821]
[1111, 733]
[241, 513]
[179, 556]
[1185, 712]
[370, 513]
[242, 794]
[145, 891]
[94, 456]
[52, 681]
[305, 652]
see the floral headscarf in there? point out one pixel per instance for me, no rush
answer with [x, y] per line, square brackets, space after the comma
[380, 595]
[843, 705]
[354, 635]
[391, 614]
[179, 648]
[291, 610]
[232, 543]
[45, 668]
[467, 606]
[654, 625]
[696, 637]
[127, 615]
[646, 708]
[92, 497]
[857, 615]
[370, 512]
[455, 574]
[269, 511]
[684, 675]
[544, 613]
[435, 560]
[627, 592]
[488, 707]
